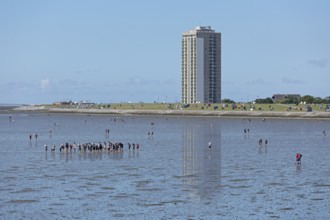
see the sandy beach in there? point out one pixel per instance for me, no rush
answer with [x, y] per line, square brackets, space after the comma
[207, 113]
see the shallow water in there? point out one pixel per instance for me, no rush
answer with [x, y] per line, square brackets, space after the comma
[172, 176]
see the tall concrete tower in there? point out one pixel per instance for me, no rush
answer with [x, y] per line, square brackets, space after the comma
[201, 66]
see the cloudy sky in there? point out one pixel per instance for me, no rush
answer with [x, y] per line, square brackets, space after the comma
[113, 51]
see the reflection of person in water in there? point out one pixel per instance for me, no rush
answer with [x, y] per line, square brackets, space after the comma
[298, 158]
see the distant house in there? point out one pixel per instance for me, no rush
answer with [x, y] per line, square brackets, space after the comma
[279, 97]
[86, 104]
[64, 103]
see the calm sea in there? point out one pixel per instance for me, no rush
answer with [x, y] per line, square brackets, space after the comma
[174, 174]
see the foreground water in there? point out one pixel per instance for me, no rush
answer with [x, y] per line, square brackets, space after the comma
[173, 175]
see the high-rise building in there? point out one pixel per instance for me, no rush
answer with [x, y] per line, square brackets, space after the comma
[201, 66]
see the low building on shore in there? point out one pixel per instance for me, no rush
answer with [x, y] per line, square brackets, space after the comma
[280, 97]
[66, 103]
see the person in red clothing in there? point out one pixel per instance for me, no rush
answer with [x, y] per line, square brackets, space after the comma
[298, 158]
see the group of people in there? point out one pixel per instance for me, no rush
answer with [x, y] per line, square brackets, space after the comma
[246, 130]
[260, 142]
[35, 136]
[93, 147]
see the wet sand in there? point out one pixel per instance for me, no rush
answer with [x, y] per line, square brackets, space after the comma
[174, 175]
[214, 113]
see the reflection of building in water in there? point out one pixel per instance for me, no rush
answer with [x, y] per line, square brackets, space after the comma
[189, 154]
[201, 167]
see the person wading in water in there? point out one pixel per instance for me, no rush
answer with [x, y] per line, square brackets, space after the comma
[298, 158]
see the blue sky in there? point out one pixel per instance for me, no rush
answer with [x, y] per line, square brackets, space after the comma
[113, 51]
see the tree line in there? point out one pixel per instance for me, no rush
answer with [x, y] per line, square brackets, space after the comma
[308, 99]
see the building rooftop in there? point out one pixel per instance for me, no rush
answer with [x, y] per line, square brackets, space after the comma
[199, 29]
[203, 28]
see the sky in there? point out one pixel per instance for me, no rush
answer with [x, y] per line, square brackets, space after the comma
[108, 51]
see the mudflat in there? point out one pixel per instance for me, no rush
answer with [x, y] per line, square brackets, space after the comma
[178, 112]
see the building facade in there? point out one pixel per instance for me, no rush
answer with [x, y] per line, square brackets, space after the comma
[201, 66]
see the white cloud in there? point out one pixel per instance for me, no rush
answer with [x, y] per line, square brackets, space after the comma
[136, 80]
[292, 81]
[44, 84]
[258, 82]
[140, 81]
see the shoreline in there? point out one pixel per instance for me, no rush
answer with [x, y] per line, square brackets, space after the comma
[203, 113]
